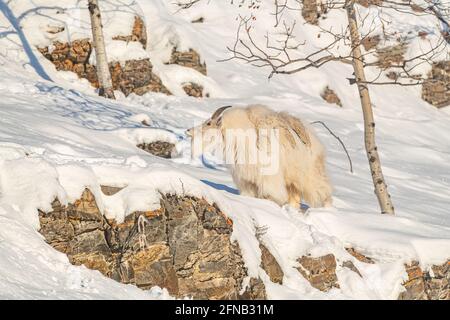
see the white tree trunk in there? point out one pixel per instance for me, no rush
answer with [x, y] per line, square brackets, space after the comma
[381, 191]
[103, 74]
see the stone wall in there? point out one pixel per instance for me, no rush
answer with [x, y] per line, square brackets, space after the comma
[185, 246]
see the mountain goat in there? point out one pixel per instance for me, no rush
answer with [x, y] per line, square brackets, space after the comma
[249, 137]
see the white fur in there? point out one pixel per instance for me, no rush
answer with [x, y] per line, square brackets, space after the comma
[300, 173]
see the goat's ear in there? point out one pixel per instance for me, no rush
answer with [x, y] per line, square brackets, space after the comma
[189, 132]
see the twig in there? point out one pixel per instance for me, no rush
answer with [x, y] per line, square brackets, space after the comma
[340, 141]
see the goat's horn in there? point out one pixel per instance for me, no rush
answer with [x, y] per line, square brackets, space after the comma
[219, 111]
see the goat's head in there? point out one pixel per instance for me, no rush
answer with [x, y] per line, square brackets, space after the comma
[208, 134]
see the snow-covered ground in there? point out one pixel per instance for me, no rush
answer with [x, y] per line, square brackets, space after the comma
[58, 137]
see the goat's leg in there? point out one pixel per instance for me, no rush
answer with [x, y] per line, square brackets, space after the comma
[294, 196]
[248, 189]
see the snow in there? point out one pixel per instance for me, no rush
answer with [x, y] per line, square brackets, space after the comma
[57, 137]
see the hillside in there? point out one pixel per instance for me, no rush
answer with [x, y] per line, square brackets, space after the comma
[59, 138]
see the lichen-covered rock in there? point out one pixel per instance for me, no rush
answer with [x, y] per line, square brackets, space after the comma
[132, 76]
[320, 271]
[436, 89]
[270, 265]
[331, 97]
[185, 246]
[188, 59]
[161, 149]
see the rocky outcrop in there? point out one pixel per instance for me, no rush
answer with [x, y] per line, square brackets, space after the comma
[72, 57]
[189, 59]
[185, 246]
[198, 20]
[161, 149]
[391, 56]
[138, 33]
[359, 256]
[194, 90]
[370, 42]
[436, 89]
[310, 11]
[367, 3]
[320, 271]
[132, 76]
[270, 265]
[430, 285]
[255, 290]
[110, 190]
[136, 76]
[331, 97]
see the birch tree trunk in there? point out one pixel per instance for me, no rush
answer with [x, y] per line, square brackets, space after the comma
[103, 74]
[384, 199]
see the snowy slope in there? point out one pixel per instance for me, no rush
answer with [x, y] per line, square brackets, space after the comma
[57, 137]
